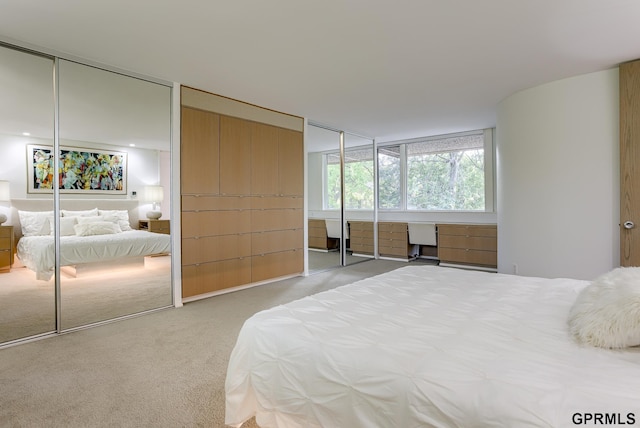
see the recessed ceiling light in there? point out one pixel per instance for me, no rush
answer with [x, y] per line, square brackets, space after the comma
[26, 134]
[132, 145]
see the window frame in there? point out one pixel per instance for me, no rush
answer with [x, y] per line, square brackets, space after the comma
[489, 173]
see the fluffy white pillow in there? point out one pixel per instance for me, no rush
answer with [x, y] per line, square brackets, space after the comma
[607, 312]
[35, 223]
[90, 219]
[79, 213]
[96, 228]
[117, 216]
[66, 225]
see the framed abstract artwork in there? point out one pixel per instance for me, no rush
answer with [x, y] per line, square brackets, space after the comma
[81, 170]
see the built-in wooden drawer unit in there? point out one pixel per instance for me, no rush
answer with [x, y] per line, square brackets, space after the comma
[317, 234]
[361, 237]
[393, 240]
[6, 248]
[318, 238]
[468, 244]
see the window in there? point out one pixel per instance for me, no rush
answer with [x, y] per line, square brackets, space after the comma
[358, 179]
[438, 174]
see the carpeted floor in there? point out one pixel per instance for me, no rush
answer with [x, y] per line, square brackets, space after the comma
[27, 305]
[163, 369]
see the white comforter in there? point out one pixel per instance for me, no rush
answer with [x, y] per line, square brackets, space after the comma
[38, 252]
[428, 346]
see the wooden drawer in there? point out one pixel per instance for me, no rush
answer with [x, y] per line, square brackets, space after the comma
[6, 248]
[276, 219]
[394, 250]
[214, 248]
[468, 230]
[6, 231]
[209, 223]
[276, 241]
[214, 203]
[160, 226]
[209, 277]
[5, 244]
[468, 242]
[317, 229]
[276, 264]
[5, 260]
[361, 241]
[361, 226]
[472, 244]
[315, 242]
[393, 227]
[464, 256]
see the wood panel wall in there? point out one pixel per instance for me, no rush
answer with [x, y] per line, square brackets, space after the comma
[630, 162]
[242, 195]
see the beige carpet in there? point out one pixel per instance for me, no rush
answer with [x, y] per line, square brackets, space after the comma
[163, 369]
[27, 306]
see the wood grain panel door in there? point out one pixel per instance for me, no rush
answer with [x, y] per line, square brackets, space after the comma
[235, 156]
[199, 152]
[630, 164]
[264, 159]
[291, 162]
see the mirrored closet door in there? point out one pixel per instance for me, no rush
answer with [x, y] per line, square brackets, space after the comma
[340, 226]
[324, 199]
[87, 234]
[114, 192]
[27, 304]
[358, 198]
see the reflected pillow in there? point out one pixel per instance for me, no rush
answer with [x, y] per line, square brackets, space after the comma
[90, 219]
[118, 216]
[607, 312]
[35, 223]
[96, 228]
[66, 225]
[79, 213]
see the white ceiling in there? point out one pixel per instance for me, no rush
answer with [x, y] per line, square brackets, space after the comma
[385, 69]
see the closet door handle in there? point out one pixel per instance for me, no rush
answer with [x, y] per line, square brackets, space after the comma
[629, 224]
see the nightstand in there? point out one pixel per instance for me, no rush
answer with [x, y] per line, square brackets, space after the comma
[157, 226]
[6, 248]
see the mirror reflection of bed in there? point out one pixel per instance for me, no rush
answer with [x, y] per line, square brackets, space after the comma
[102, 276]
[100, 114]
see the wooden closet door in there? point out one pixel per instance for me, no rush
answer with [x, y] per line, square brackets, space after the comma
[264, 159]
[291, 162]
[199, 152]
[629, 161]
[235, 156]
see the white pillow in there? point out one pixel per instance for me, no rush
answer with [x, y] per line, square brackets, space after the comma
[607, 312]
[66, 225]
[79, 213]
[35, 223]
[90, 219]
[96, 228]
[118, 216]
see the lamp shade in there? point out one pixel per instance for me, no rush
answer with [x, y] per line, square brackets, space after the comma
[153, 194]
[5, 194]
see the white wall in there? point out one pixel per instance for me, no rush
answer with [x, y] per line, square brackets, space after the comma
[558, 185]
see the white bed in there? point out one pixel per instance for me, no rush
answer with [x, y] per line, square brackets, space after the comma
[37, 252]
[428, 346]
[90, 239]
